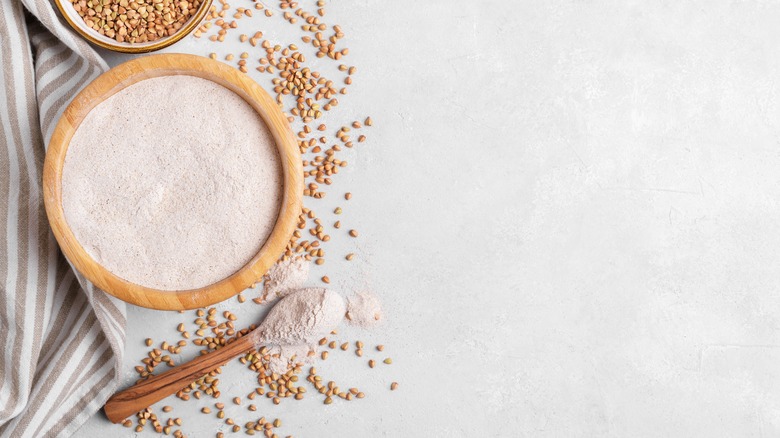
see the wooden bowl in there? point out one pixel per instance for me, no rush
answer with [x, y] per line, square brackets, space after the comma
[153, 66]
[77, 23]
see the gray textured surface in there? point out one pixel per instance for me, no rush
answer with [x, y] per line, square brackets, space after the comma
[570, 210]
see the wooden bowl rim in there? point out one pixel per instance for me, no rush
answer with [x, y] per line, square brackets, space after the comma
[185, 30]
[153, 66]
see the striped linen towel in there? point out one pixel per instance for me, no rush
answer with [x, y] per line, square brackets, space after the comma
[61, 339]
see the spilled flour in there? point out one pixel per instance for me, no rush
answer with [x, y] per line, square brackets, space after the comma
[292, 329]
[364, 309]
[285, 276]
[284, 357]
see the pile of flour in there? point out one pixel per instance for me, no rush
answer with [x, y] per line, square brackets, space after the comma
[294, 326]
[285, 276]
[172, 183]
[296, 323]
[302, 317]
[364, 309]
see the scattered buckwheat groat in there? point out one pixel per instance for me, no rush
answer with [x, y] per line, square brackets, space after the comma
[312, 94]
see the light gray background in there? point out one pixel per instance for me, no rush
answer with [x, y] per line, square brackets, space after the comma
[570, 210]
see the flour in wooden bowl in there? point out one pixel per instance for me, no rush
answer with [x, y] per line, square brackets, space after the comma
[172, 183]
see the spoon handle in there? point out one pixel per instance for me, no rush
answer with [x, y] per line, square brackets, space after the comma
[142, 395]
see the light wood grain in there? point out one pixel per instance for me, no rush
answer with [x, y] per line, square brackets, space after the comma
[150, 67]
[126, 403]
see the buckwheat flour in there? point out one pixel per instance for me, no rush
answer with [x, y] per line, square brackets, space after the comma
[364, 309]
[173, 183]
[302, 317]
[296, 323]
[284, 276]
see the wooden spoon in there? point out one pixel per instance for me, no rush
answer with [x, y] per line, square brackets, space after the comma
[302, 317]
